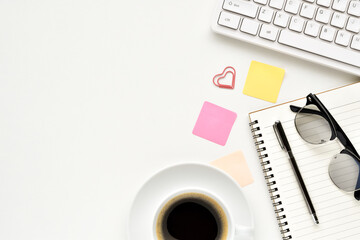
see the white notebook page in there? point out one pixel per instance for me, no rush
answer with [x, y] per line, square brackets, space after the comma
[338, 212]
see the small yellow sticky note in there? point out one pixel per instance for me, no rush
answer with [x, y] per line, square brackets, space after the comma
[264, 81]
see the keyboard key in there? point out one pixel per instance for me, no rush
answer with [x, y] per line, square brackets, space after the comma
[310, 1]
[307, 10]
[315, 46]
[229, 20]
[292, 6]
[353, 25]
[324, 3]
[268, 32]
[266, 14]
[249, 26]
[263, 2]
[248, 9]
[312, 28]
[354, 8]
[355, 43]
[338, 20]
[296, 24]
[323, 15]
[327, 33]
[340, 5]
[343, 38]
[278, 4]
[281, 19]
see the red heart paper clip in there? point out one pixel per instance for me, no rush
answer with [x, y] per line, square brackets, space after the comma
[218, 77]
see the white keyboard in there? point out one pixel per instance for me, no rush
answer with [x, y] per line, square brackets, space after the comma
[322, 31]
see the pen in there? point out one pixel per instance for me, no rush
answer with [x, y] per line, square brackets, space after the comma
[284, 144]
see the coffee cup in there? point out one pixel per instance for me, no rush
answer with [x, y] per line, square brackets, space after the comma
[196, 187]
[196, 214]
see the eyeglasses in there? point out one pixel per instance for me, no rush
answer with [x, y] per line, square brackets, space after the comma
[316, 125]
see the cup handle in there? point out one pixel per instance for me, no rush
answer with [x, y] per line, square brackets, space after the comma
[244, 232]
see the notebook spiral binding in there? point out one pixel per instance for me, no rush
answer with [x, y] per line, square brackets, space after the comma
[274, 196]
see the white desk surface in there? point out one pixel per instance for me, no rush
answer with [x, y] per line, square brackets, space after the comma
[96, 96]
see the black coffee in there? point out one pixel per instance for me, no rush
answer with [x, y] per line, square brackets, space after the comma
[192, 221]
[191, 216]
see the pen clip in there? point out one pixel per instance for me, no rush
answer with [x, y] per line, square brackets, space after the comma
[278, 135]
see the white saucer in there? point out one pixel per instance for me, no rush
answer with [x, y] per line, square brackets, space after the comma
[184, 176]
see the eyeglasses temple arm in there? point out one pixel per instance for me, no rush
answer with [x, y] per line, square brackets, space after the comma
[346, 142]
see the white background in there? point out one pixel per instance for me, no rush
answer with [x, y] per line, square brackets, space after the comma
[96, 96]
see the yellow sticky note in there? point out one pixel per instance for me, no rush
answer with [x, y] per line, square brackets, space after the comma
[235, 165]
[264, 81]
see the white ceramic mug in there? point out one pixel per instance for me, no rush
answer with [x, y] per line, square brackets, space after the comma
[234, 230]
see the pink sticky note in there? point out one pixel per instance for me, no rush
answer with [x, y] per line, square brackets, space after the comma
[214, 123]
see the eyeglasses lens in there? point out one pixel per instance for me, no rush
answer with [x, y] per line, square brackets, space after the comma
[344, 172]
[312, 125]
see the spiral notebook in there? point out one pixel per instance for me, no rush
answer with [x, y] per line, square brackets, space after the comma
[338, 212]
